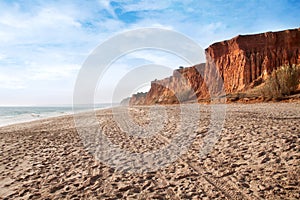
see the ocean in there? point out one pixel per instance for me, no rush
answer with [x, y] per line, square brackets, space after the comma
[16, 114]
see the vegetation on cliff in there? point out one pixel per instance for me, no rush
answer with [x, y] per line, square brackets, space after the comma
[281, 82]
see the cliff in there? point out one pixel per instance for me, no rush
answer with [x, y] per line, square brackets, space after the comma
[184, 85]
[137, 99]
[243, 59]
[238, 63]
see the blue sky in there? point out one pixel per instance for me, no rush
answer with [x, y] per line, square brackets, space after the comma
[44, 43]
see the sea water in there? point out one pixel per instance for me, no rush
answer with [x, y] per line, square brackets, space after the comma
[16, 114]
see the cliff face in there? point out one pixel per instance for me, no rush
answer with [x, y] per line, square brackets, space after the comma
[184, 85]
[237, 63]
[138, 99]
[243, 59]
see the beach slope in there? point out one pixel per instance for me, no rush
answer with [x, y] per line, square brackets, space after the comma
[256, 156]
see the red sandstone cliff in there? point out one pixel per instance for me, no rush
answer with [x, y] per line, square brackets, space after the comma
[184, 85]
[237, 63]
[243, 59]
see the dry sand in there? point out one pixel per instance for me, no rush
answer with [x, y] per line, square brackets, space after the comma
[257, 156]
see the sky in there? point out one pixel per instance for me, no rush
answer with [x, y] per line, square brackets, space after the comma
[43, 44]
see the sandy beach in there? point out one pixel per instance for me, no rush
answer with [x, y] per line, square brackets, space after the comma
[256, 156]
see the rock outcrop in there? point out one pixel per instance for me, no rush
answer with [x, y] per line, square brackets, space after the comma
[138, 99]
[231, 66]
[244, 58]
[183, 85]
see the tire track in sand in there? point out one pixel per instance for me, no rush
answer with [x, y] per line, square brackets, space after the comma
[224, 185]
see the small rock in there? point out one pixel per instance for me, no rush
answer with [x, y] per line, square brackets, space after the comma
[245, 185]
[266, 159]
[262, 153]
[247, 156]
[261, 187]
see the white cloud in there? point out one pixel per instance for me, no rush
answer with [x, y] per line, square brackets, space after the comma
[34, 73]
[2, 56]
[50, 72]
[148, 5]
[105, 4]
[159, 57]
[10, 81]
[19, 27]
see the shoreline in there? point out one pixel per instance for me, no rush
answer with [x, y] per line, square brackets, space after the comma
[296, 101]
[33, 120]
[39, 118]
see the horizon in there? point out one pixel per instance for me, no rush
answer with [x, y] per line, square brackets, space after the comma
[44, 44]
[58, 105]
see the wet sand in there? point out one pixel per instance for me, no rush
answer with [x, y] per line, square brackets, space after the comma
[256, 156]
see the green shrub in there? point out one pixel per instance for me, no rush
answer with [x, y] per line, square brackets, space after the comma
[281, 82]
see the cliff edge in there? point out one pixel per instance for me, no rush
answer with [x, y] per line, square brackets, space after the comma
[231, 66]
